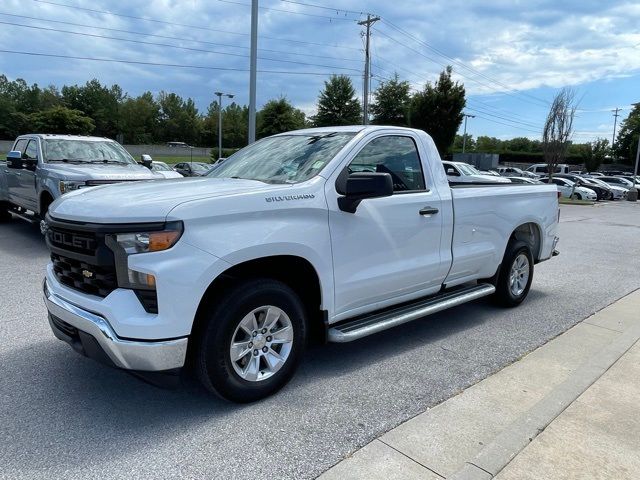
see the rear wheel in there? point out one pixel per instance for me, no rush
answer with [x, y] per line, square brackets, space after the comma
[576, 196]
[516, 274]
[252, 342]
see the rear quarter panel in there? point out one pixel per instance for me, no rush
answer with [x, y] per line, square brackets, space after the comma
[486, 216]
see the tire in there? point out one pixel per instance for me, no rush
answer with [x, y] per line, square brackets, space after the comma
[5, 216]
[576, 196]
[263, 373]
[508, 295]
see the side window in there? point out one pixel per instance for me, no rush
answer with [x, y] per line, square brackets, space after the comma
[31, 151]
[395, 155]
[20, 145]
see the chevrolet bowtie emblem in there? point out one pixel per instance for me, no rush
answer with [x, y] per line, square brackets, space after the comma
[87, 274]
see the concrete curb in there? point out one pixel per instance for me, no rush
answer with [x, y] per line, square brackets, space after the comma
[497, 454]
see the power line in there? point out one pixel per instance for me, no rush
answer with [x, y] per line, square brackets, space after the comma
[287, 11]
[539, 132]
[167, 37]
[324, 7]
[484, 112]
[462, 64]
[198, 27]
[173, 46]
[175, 65]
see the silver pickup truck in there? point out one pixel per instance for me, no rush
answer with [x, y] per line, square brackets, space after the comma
[42, 167]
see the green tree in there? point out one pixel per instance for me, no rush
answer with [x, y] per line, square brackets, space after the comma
[279, 116]
[518, 144]
[337, 103]
[61, 120]
[487, 144]
[392, 103]
[438, 110]
[97, 101]
[179, 119]
[594, 153]
[139, 119]
[627, 141]
[459, 141]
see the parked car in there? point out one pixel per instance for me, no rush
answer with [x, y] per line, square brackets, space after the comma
[619, 193]
[177, 145]
[542, 169]
[459, 172]
[510, 171]
[531, 181]
[165, 170]
[566, 187]
[42, 167]
[602, 191]
[632, 179]
[192, 169]
[348, 231]
[617, 181]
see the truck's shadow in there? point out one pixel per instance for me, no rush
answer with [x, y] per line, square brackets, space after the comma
[80, 406]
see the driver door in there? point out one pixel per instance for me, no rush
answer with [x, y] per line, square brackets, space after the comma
[389, 250]
[23, 188]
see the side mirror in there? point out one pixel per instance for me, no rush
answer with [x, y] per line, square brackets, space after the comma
[453, 172]
[14, 159]
[361, 186]
[146, 160]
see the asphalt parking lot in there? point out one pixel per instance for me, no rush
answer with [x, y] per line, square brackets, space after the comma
[64, 416]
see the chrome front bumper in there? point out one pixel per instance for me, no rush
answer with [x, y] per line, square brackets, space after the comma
[139, 355]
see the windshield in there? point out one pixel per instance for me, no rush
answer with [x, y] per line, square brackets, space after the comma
[60, 150]
[160, 167]
[468, 169]
[285, 158]
[200, 167]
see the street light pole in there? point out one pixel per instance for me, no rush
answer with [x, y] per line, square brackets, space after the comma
[220, 95]
[633, 192]
[464, 136]
[253, 68]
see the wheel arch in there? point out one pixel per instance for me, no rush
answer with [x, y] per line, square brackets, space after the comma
[294, 271]
[531, 234]
[46, 199]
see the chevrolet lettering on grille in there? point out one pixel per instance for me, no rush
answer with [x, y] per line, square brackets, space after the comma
[71, 240]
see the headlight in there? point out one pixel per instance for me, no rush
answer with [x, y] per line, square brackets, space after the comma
[125, 244]
[66, 186]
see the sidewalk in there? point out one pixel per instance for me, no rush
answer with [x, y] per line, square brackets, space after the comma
[568, 410]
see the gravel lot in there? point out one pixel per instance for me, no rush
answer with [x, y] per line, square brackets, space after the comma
[64, 416]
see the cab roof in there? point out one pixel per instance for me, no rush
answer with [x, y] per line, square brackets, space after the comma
[45, 136]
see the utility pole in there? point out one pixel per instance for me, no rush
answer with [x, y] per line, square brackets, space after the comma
[615, 122]
[464, 136]
[253, 70]
[220, 95]
[367, 61]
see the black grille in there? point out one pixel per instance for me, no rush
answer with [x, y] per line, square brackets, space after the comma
[148, 299]
[91, 279]
[84, 243]
[67, 329]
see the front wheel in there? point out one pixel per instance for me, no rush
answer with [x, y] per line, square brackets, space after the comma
[576, 196]
[516, 274]
[253, 341]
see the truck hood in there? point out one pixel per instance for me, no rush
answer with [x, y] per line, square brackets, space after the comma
[101, 171]
[145, 201]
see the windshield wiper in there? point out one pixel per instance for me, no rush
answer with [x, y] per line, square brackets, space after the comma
[68, 160]
[254, 179]
[107, 160]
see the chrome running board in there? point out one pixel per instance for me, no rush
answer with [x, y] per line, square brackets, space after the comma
[379, 321]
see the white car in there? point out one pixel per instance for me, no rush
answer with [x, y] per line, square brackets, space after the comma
[460, 172]
[565, 187]
[165, 170]
[619, 192]
[346, 232]
[531, 181]
[512, 172]
[542, 169]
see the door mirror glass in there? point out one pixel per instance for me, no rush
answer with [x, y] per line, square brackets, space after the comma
[14, 159]
[361, 186]
[146, 160]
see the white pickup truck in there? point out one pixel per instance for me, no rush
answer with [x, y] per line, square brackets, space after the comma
[330, 234]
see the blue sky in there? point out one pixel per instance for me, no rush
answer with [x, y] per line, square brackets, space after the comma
[512, 56]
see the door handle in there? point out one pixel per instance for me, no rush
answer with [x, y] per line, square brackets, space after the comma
[428, 211]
